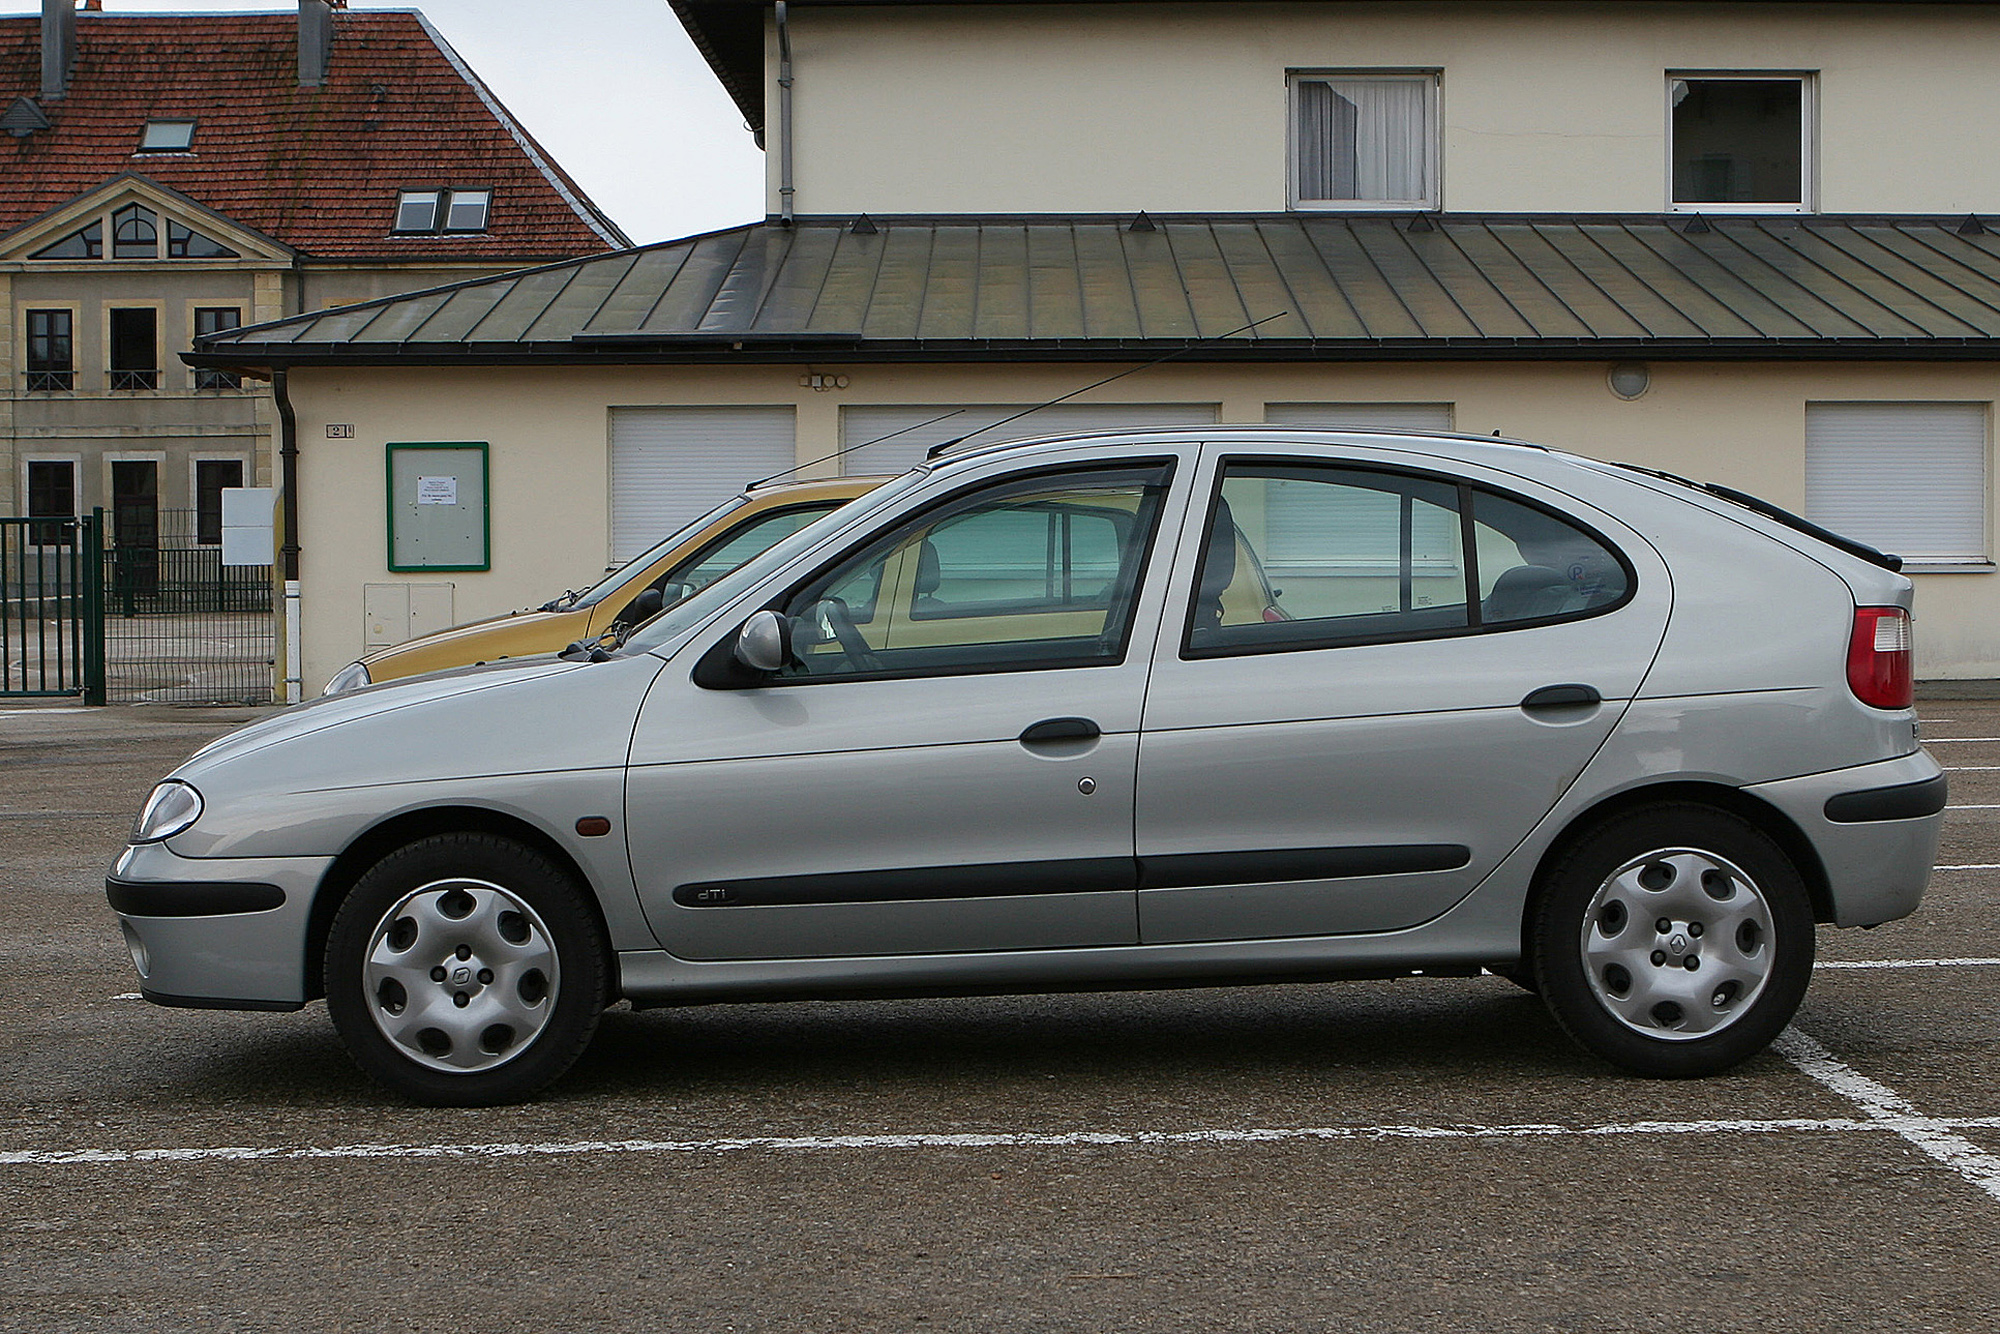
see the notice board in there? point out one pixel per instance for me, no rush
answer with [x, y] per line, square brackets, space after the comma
[439, 515]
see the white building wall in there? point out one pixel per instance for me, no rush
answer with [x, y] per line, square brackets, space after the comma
[1545, 107]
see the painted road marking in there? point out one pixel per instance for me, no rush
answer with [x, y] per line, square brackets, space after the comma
[1908, 963]
[1946, 740]
[1885, 1107]
[1970, 866]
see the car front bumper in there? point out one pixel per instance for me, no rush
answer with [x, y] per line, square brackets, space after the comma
[1875, 828]
[224, 933]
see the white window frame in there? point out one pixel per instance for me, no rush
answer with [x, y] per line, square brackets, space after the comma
[1433, 197]
[1977, 561]
[454, 198]
[178, 143]
[1808, 81]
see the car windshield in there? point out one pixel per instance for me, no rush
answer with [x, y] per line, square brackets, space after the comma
[680, 618]
[619, 577]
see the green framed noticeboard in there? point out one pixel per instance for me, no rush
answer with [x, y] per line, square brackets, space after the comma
[439, 511]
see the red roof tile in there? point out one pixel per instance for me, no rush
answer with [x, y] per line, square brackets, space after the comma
[317, 168]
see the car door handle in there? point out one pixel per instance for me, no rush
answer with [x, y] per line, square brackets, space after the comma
[1561, 697]
[1061, 729]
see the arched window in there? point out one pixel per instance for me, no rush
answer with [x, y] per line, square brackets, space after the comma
[135, 233]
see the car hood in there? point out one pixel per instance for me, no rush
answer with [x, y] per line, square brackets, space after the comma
[471, 630]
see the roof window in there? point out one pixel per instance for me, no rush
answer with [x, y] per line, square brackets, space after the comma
[167, 136]
[443, 210]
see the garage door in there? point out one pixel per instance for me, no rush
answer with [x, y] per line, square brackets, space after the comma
[672, 465]
[904, 436]
[1361, 416]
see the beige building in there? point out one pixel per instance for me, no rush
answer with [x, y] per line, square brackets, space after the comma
[1741, 242]
[166, 176]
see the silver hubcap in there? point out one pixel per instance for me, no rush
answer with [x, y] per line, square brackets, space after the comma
[1677, 944]
[461, 976]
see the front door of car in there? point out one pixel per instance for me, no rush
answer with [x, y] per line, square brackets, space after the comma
[1348, 731]
[945, 764]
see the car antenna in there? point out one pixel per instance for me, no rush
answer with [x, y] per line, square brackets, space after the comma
[944, 445]
[851, 448]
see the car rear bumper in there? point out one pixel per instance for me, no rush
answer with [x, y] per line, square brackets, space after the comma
[1875, 828]
[216, 933]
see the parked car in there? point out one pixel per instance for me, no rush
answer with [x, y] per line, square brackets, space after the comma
[689, 560]
[1215, 705]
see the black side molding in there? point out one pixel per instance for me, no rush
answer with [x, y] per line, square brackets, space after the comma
[189, 898]
[219, 1003]
[1081, 875]
[1906, 801]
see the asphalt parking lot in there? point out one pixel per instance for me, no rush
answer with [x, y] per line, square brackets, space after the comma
[1421, 1154]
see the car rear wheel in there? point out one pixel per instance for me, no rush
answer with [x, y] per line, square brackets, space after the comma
[1674, 941]
[465, 970]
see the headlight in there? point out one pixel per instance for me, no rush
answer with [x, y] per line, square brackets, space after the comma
[351, 677]
[171, 808]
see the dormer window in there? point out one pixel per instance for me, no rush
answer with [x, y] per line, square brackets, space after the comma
[465, 210]
[443, 210]
[167, 136]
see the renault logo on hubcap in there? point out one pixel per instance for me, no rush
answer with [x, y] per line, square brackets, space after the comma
[464, 975]
[1678, 944]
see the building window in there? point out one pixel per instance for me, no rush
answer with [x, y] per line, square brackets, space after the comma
[465, 210]
[135, 348]
[1741, 141]
[214, 320]
[186, 243]
[1364, 140]
[84, 243]
[51, 495]
[167, 136]
[443, 210]
[51, 351]
[135, 233]
[1907, 478]
[211, 478]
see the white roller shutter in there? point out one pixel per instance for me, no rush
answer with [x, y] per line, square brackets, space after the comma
[672, 465]
[1361, 416]
[1908, 478]
[859, 425]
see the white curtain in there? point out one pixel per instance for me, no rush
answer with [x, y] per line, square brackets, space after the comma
[1364, 139]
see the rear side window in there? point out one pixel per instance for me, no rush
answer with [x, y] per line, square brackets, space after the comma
[1307, 557]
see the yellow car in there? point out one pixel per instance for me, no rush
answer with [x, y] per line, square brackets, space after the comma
[692, 558]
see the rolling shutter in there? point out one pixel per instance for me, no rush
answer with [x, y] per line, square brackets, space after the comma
[1907, 478]
[672, 465]
[860, 425]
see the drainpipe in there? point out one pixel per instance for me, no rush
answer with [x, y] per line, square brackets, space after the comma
[288, 473]
[785, 190]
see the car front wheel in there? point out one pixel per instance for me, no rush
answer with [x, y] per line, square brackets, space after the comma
[465, 970]
[1674, 941]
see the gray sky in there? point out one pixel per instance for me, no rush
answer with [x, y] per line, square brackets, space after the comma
[612, 88]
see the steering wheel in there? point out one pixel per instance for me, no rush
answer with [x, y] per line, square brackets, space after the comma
[834, 618]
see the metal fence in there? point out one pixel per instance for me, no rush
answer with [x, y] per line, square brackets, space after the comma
[180, 626]
[51, 608]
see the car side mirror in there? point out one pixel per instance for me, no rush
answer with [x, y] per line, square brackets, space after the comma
[642, 608]
[672, 595]
[764, 644]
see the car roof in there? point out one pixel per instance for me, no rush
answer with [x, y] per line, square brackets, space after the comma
[1451, 444]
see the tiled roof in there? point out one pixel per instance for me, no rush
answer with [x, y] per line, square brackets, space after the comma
[1342, 288]
[317, 168]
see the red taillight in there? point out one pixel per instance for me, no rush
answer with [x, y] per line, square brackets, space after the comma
[1878, 658]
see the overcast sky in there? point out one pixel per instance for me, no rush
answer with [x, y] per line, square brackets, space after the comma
[613, 89]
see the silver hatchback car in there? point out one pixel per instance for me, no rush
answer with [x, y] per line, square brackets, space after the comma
[1217, 705]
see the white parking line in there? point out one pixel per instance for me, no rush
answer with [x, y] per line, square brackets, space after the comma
[1969, 768]
[1945, 740]
[1908, 963]
[1977, 806]
[1970, 866]
[1888, 1109]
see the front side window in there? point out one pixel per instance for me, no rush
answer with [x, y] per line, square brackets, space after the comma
[1311, 557]
[1030, 573]
[51, 351]
[1364, 140]
[1740, 141]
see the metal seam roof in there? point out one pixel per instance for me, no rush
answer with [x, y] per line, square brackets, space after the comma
[1447, 286]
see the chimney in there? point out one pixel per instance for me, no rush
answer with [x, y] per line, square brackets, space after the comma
[58, 46]
[315, 41]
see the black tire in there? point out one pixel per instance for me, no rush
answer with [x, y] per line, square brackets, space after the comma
[466, 970]
[1708, 992]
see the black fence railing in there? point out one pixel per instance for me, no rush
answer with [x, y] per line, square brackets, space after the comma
[51, 608]
[180, 626]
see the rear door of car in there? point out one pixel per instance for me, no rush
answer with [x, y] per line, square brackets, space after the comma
[1438, 652]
